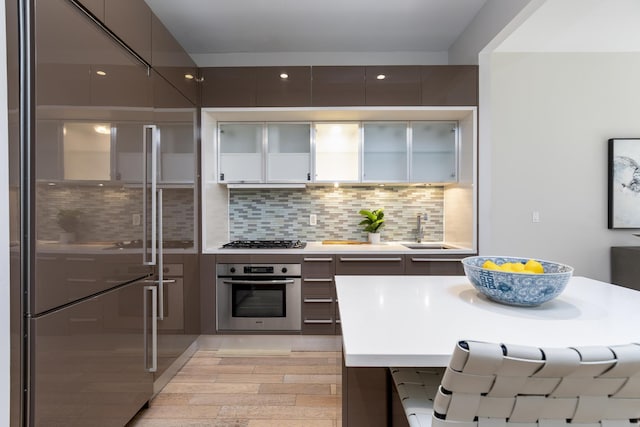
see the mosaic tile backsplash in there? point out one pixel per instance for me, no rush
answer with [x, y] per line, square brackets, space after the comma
[107, 212]
[284, 213]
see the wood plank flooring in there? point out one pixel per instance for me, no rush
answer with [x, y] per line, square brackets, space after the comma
[245, 388]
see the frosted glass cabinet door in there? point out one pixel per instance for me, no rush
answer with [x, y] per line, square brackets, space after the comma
[241, 152]
[289, 152]
[385, 152]
[434, 153]
[337, 152]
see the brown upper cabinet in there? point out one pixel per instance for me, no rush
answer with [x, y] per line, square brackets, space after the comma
[130, 20]
[172, 62]
[283, 86]
[256, 86]
[392, 85]
[337, 86]
[228, 87]
[96, 7]
[449, 85]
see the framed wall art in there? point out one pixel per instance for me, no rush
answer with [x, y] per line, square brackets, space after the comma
[624, 183]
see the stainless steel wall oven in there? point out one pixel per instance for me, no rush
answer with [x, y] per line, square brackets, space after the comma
[263, 297]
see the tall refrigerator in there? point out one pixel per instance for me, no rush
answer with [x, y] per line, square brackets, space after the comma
[89, 157]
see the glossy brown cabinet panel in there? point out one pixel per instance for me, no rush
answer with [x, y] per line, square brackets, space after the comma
[361, 387]
[337, 86]
[433, 266]
[121, 85]
[228, 87]
[400, 85]
[318, 295]
[96, 7]
[130, 20]
[449, 85]
[370, 264]
[172, 62]
[272, 90]
[625, 266]
[89, 359]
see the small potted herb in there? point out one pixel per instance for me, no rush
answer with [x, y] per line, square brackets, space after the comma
[373, 221]
[68, 220]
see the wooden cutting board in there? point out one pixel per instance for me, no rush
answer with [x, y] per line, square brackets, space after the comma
[344, 242]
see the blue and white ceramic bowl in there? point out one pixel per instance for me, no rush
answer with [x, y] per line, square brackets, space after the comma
[523, 289]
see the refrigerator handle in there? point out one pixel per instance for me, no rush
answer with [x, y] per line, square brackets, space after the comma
[150, 134]
[153, 366]
[160, 260]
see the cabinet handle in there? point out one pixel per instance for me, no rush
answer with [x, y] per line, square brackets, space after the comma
[434, 259]
[80, 259]
[310, 280]
[309, 176]
[370, 259]
[316, 300]
[338, 321]
[318, 321]
[222, 177]
[153, 366]
[72, 280]
[318, 259]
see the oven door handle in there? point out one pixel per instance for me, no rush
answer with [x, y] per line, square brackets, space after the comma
[259, 282]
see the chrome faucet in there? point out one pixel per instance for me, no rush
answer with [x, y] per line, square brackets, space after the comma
[419, 230]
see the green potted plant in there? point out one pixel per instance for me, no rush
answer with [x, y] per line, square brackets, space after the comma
[68, 220]
[373, 221]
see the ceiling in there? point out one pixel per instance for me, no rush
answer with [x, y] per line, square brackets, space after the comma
[207, 28]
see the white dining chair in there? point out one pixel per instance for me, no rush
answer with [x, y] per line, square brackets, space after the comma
[498, 385]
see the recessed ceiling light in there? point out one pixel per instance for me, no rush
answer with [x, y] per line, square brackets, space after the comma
[381, 77]
[284, 76]
[101, 73]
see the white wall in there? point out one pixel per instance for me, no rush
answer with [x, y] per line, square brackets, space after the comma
[4, 232]
[550, 117]
[489, 21]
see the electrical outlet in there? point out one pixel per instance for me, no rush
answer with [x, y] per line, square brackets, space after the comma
[313, 219]
[535, 216]
[135, 219]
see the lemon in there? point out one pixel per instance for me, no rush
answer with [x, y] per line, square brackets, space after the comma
[518, 267]
[533, 266]
[490, 265]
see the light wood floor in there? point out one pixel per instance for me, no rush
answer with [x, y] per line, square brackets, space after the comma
[249, 388]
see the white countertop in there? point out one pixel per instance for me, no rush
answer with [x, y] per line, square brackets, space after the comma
[365, 248]
[417, 320]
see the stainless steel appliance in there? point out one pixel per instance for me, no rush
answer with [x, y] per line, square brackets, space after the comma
[264, 244]
[263, 297]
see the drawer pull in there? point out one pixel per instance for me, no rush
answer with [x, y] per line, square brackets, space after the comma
[318, 321]
[72, 280]
[80, 259]
[434, 259]
[316, 300]
[370, 259]
[338, 321]
[306, 279]
[318, 259]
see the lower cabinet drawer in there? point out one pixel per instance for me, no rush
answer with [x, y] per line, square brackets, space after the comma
[318, 316]
[434, 266]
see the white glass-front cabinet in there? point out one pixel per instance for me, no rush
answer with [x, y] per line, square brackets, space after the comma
[241, 148]
[288, 152]
[434, 152]
[337, 149]
[247, 150]
[384, 152]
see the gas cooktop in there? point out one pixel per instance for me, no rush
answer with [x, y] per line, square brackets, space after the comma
[264, 244]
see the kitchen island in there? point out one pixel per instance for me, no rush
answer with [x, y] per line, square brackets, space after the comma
[417, 320]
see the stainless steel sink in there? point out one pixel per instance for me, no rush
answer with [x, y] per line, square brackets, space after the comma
[425, 246]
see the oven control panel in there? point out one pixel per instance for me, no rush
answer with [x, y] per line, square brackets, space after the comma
[235, 270]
